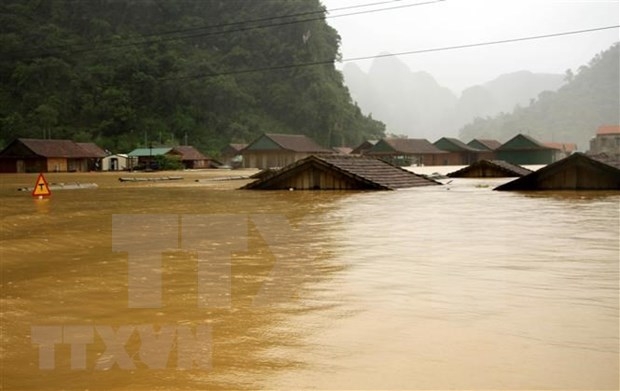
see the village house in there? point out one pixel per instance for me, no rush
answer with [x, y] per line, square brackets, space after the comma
[48, 155]
[606, 142]
[458, 153]
[191, 158]
[486, 147]
[339, 172]
[146, 157]
[363, 147]
[278, 150]
[523, 149]
[575, 172]
[231, 156]
[407, 152]
[115, 162]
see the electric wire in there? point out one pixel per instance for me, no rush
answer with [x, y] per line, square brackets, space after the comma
[406, 53]
[169, 35]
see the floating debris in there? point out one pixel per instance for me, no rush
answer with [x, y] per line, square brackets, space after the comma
[146, 179]
[65, 186]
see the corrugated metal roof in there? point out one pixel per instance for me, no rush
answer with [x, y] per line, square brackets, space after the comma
[509, 169]
[458, 145]
[189, 153]
[512, 144]
[490, 144]
[409, 146]
[150, 151]
[368, 172]
[60, 148]
[292, 142]
[93, 150]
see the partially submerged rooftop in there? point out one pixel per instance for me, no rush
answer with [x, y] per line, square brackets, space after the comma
[490, 169]
[340, 172]
[575, 172]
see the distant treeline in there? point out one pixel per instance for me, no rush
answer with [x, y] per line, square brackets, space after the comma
[130, 73]
[589, 99]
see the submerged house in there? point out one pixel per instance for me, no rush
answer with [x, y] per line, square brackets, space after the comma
[486, 147]
[340, 172]
[606, 142]
[115, 162]
[407, 151]
[576, 172]
[490, 169]
[43, 155]
[191, 158]
[363, 147]
[523, 149]
[145, 157]
[278, 150]
[458, 153]
[231, 154]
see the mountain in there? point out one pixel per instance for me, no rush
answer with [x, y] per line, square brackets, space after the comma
[589, 99]
[413, 103]
[125, 73]
[503, 94]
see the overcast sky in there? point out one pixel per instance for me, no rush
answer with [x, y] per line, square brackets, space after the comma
[461, 22]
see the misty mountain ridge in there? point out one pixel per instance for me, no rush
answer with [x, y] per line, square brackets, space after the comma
[413, 103]
[590, 98]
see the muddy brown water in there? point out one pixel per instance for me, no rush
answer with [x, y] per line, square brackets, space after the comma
[186, 285]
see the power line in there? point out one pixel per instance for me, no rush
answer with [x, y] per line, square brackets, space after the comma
[161, 37]
[411, 52]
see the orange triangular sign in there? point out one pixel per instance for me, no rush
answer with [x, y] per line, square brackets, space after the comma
[41, 188]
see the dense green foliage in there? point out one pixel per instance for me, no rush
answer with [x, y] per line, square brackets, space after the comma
[123, 73]
[589, 99]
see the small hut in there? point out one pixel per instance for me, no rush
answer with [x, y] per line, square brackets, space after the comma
[490, 169]
[576, 172]
[340, 172]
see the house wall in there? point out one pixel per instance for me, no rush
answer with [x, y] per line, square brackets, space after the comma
[608, 144]
[538, 156]
[108, 165]
[270, 159]
[579, 178]
[313, 178]
[56, 165]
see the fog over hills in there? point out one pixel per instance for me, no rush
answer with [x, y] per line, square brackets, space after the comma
[414, 104]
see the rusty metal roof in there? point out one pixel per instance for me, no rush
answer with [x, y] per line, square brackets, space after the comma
[58, 148]
[500, 166]
[368, 173]
[93, 149]
[189, 153]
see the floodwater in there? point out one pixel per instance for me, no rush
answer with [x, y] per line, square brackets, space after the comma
[186, 285]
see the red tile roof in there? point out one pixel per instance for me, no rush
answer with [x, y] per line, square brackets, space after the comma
[564, 147]
[608, 129]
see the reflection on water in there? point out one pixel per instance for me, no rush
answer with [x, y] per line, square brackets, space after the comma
[454, 287]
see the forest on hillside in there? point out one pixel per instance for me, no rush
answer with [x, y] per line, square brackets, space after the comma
[127, 73]
[589, 99]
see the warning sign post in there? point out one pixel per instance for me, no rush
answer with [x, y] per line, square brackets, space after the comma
[41, 188]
